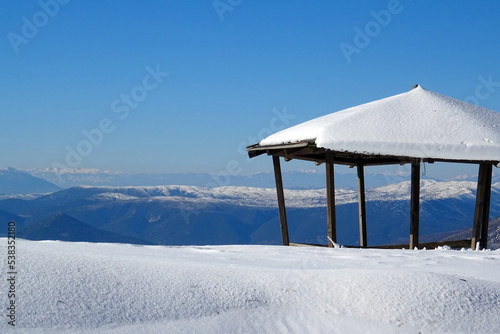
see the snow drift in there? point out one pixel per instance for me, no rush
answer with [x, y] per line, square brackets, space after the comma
[110, 288]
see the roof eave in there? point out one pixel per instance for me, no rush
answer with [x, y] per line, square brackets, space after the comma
[257, 149]
[307, 150]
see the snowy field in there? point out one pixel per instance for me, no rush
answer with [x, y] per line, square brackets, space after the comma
[66, 287]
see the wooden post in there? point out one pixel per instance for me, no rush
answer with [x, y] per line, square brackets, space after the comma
[281, 201]
[330, 199]
[482, 210]
[362, 208]
[415, 204]
[483, 242]
[478, 210]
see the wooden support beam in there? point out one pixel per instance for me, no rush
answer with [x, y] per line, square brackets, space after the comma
[483, 242]
[482, 209]
[362, 207]
[281, 201]
[415, 204]
[330, 199]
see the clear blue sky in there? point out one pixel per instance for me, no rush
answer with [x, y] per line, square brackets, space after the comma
[232, 64]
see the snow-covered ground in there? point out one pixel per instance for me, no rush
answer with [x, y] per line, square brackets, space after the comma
[110, 288]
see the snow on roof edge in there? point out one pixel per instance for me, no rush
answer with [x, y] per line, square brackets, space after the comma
[418, 123]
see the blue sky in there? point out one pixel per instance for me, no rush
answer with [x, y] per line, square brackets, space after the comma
[237, 69]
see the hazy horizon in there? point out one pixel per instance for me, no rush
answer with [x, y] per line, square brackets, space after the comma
[173, 87]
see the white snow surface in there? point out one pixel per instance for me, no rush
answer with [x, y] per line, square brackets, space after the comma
[418, 123]
[65, 287]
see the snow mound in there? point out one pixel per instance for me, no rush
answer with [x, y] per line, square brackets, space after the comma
[418, 123]
[109, 288]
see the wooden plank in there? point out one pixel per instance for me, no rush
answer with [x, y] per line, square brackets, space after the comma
[257, 147]
[318, 155]
[429, 245]
[362, 207]
[281, 201]
[415, 204]
[330, 199]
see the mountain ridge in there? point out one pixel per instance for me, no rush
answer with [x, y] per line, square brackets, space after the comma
[65, 228]
[14, 181]
[189, 215]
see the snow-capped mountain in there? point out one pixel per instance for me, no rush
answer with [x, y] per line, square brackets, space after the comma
[189, 215]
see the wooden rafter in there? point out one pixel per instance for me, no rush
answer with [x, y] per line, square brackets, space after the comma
[308, 150]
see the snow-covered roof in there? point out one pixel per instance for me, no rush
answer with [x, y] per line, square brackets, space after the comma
[418, 124]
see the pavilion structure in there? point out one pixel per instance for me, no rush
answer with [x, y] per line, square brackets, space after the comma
[415, 127]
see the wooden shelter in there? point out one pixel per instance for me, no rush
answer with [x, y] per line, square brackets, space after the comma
[410, 128]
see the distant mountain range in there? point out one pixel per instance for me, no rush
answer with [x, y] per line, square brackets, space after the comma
[190, 215]
[13, 181]
[298, 179]
[292, 180]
